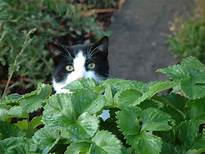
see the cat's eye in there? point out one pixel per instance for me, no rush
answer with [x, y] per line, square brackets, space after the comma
[69, 68]
[91, 66]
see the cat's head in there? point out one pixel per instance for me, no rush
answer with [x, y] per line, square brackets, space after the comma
[79, 61]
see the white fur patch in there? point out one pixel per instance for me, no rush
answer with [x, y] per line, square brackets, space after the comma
[78, 73]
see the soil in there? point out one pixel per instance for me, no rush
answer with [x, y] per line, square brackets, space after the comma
[138, 46]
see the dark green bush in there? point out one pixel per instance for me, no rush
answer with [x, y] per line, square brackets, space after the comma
[189, 40]
[50, 19]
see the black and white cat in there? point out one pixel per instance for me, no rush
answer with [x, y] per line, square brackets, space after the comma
[79, 61]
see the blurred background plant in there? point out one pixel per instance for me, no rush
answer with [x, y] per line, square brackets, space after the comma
[188, 37]
[67, 21]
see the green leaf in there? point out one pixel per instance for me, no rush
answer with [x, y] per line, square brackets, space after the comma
[84, 128]
[16, 145]
[65, 111]
[16, 111]
[191, 65]
[105, 143]
[85, 101]
[188, 132]
[3, 112]
[135, 125]
[59, 111]
[155, 120]
[78, 148]
[175, 105]
[34, 100]
[109, 96]
[81, 84]
[168, 148]
[102, 143]
[97, 105]
[197, 108]
[126, 97]
[23, 124]
[11, 99]
[199, 144]
[46, 138]
[9, 112]
[154, 89]
[8, 130]
[36, 121]
[129, 121]
[175, 72]
[190, 75]
[146, 143]
[119, 84]
[193, 87]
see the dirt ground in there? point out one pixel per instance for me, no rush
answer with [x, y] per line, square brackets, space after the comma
[139, 34]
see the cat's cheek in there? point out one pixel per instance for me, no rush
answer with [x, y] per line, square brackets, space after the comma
[92, 75]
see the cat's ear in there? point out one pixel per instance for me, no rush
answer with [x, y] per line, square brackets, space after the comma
[55, 51]
[102, 44]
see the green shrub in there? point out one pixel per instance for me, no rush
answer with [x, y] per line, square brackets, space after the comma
[189, 35]
[51, 19]
[142, 119]
[189, 40]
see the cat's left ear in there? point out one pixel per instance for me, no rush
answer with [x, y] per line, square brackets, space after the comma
[102, 44]
[55, 51]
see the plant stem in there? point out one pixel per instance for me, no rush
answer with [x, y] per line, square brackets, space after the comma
[13, 67]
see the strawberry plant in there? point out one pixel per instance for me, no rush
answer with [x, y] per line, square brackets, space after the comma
[145, 118]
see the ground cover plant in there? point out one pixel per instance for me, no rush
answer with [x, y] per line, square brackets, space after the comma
[143, 120]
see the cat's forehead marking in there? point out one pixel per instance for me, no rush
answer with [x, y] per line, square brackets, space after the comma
[79, 61]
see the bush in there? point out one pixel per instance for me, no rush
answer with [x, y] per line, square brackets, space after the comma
[189, 40]
[189, 36]
[50, 19]
[142, 119]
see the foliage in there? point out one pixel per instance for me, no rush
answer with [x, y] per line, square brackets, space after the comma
[143, 120]
[189, 35]
[102, 3]
[189, 41]
[50, 19]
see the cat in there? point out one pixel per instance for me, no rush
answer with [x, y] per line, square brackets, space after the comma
[79, 61]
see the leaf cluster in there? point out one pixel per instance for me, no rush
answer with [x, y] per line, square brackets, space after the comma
[143, 120]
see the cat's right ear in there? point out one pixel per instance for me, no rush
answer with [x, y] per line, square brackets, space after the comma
[55, 51]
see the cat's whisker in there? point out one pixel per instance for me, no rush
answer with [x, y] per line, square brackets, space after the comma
[94, 51]
[67, 51]
[88, 51]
